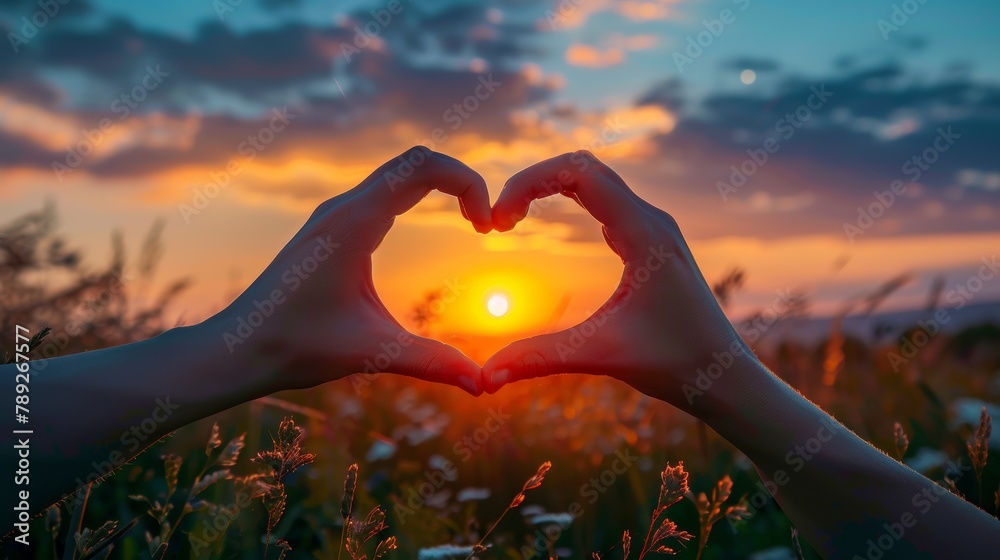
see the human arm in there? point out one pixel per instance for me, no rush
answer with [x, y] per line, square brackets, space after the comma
[312, 316]
[663, 332]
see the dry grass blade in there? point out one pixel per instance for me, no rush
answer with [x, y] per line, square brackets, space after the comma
[34, 342]
[350, 487]
[231, 453]
[283, 547]
[87, 540]
[53, 520]
[286, 456]
[901, 440]
[673, 487]
[796, 545]
[384, 547]
[347, 502]
[361, 532]
[274, 503]
[710, 511]
[949, 484]
[214, 441]
[204, 482]
[979, 449]
[107, 540]
[534, 482]
[171, 469]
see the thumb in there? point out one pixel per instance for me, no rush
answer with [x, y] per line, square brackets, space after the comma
[561, 352]
[432, 360]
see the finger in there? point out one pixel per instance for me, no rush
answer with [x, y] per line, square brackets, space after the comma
[330, 202]
[578, 176]
[614, 176]
[607, 239]
[548, 354]
[429, 360]
[418, 172]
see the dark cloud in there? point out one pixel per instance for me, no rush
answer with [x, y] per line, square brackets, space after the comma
[275, 5]
[15, 152]
[217, 56]
[21, 8]
[758, 65]
[876, 120]
[668, 94]
[411, 78]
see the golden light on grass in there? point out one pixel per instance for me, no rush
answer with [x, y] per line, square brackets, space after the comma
[497, 305]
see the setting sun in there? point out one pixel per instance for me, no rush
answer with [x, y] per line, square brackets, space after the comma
[497, 305]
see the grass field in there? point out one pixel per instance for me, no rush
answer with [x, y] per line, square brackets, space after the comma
[437, 467]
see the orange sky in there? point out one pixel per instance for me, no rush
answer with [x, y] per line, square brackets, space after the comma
[227, 244]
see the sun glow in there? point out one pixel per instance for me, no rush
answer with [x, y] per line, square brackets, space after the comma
[497, 305]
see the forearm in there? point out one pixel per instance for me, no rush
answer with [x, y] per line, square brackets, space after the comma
[92, 412]
[839, 491]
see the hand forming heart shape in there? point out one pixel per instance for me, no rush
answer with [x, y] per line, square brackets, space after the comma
[661, 322]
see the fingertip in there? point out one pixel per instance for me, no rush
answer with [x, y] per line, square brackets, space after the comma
[498, 379]
[469, 386]
[502, 220]
[503, 227]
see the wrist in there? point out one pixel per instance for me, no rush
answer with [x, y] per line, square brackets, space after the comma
[251, 360]
[755, 410]
[729, 384]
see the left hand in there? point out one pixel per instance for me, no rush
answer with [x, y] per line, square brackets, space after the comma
[314, 312]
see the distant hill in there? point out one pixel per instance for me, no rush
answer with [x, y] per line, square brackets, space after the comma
[880, 326]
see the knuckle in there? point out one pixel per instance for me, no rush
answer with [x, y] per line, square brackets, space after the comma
[668, 223]
[533, 363]
[427, 366]
[418, 151]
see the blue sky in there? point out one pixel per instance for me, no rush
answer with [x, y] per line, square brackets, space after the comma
[572, 73]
